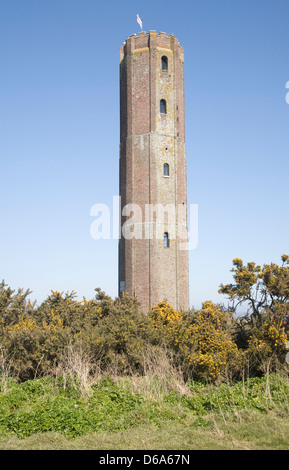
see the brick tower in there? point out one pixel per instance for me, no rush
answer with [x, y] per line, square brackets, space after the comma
[153, 266]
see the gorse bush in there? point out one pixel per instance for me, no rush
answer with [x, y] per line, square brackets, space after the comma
[214, 352]
[105, 336]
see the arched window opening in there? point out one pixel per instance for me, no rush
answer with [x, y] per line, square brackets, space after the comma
[163, 107]
[166, 169]
[164, 63]
[166, 240]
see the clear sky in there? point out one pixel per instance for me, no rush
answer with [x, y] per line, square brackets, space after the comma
[59, 135]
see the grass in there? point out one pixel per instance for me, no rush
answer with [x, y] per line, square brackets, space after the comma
[251, 431]
[46, 414]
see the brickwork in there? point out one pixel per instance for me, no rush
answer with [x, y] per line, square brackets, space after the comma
[148, 139]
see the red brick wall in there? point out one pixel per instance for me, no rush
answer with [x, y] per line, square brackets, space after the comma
[148, 139]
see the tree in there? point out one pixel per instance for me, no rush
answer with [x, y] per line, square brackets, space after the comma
[267, 346]
[263, 289]
[14, 305]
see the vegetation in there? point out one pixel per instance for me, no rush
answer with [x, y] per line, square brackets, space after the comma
[101, 366]
[116, 415]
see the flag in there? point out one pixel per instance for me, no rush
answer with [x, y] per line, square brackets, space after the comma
[139, 21]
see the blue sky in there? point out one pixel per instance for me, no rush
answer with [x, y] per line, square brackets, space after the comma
[59, 135]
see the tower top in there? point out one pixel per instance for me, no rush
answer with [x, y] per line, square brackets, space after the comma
[151, 39]
[151, 33]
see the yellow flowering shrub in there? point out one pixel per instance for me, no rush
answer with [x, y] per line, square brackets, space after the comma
[213, 352]
[208, 343]
[201, 342]
[33, 343]
[267, 345]
[164, 314]
[168, 326]
[259, 288]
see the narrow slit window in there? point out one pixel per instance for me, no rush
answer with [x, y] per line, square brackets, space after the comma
[166, 240]
[163, 107]
[166, 169]
[164, 63]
